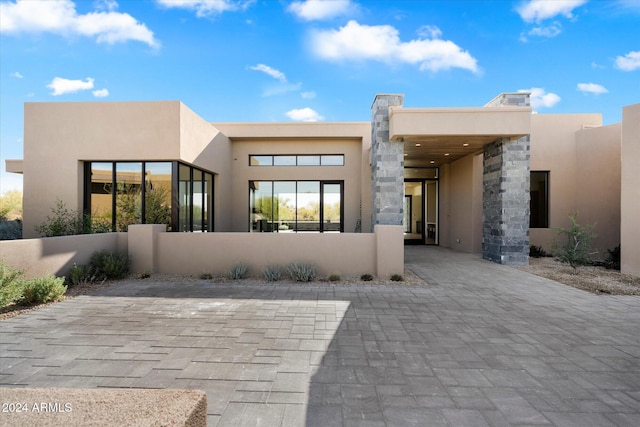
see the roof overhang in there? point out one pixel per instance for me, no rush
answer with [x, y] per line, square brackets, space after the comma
[14, 166]
[434, 136]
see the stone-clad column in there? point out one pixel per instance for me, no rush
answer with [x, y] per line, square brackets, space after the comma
[505, 193]
[505, 201]
[387, 165]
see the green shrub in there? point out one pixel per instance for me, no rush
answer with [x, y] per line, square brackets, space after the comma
[11, 283]
[10, 230]
[43, 289]
[239, 271]
[109, 265]
[301, 271]
[81, 275]
[206, 276]
[334, 278]
[366, 277]
[397, 278]
[272, 273]
[572, 244]
[66, 222]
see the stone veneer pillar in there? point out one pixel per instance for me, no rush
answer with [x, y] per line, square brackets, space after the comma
[505, 194]
[387, 165]
[505, 202]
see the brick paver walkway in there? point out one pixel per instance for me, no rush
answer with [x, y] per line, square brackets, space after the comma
[481, 345]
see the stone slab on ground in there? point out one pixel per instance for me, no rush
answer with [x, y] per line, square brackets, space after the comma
[102, 407]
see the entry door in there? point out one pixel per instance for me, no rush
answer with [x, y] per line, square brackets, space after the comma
[420, 218]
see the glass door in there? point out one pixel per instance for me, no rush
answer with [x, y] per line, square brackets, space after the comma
[413, 217]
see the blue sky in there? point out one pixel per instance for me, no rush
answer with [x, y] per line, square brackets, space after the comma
[270, 60]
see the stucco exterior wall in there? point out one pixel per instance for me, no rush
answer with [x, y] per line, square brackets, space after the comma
[598, 184]
[58, 136]
[630, 199]
[553, 149]
[56, 255]
[463, 205]
[242, 173]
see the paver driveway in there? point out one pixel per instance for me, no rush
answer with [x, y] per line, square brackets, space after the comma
[482, 344]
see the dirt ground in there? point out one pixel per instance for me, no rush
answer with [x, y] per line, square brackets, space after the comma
[598, 280]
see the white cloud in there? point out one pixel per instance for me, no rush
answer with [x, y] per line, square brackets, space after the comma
[313, 10]
[60, 17]
[100, 93]
[429, 32]
[308, 95]
[629, 62]
[206, 8]
[592, 88]
[382, 43]
[276, 74]
[541, 99]
[597, 66]
[17, 75]
[539, 10]
[106, 5]
[549, 31]
[62, 86]
[304, 115]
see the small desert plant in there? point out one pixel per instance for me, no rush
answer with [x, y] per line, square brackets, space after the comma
[334, 278]
[301, 271]
[206, 276]
[572, 244]
[81, 275]
[11, 283]
[144, 275]
[238, 271]
[43, 289]
[272, 273]
[366, 277]
[397, 278]
[538, 252]
[109, 265]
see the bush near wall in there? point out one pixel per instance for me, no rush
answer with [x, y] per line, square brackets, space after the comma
[14, 288]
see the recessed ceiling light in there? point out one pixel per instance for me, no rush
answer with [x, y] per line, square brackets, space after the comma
[405, 154]
[432, 161]
[418, 145]
[446, 154]
[466, 144]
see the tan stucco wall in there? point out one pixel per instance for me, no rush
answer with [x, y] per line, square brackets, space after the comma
[630, 196]
[344, 254]
[553, 149]
[598, 184]
[461, 205]
[56, 255]
[496, 121]
[242, 173]
[59, 136]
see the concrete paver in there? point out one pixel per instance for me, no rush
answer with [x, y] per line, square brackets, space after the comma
[480, 345]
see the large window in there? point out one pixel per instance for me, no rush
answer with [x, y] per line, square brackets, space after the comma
[118, 194]
[296, 206]
[539, 192]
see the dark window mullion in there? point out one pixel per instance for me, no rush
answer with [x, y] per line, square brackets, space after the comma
[143, 187]
[113, 196]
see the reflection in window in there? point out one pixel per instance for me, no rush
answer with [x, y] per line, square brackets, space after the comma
[128, 195]
[284, 160]
[539, 193]
[157, 196]
[295, 206]
[118, 194]
[308, 160]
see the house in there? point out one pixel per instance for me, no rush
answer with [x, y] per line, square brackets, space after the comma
[493, 179]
